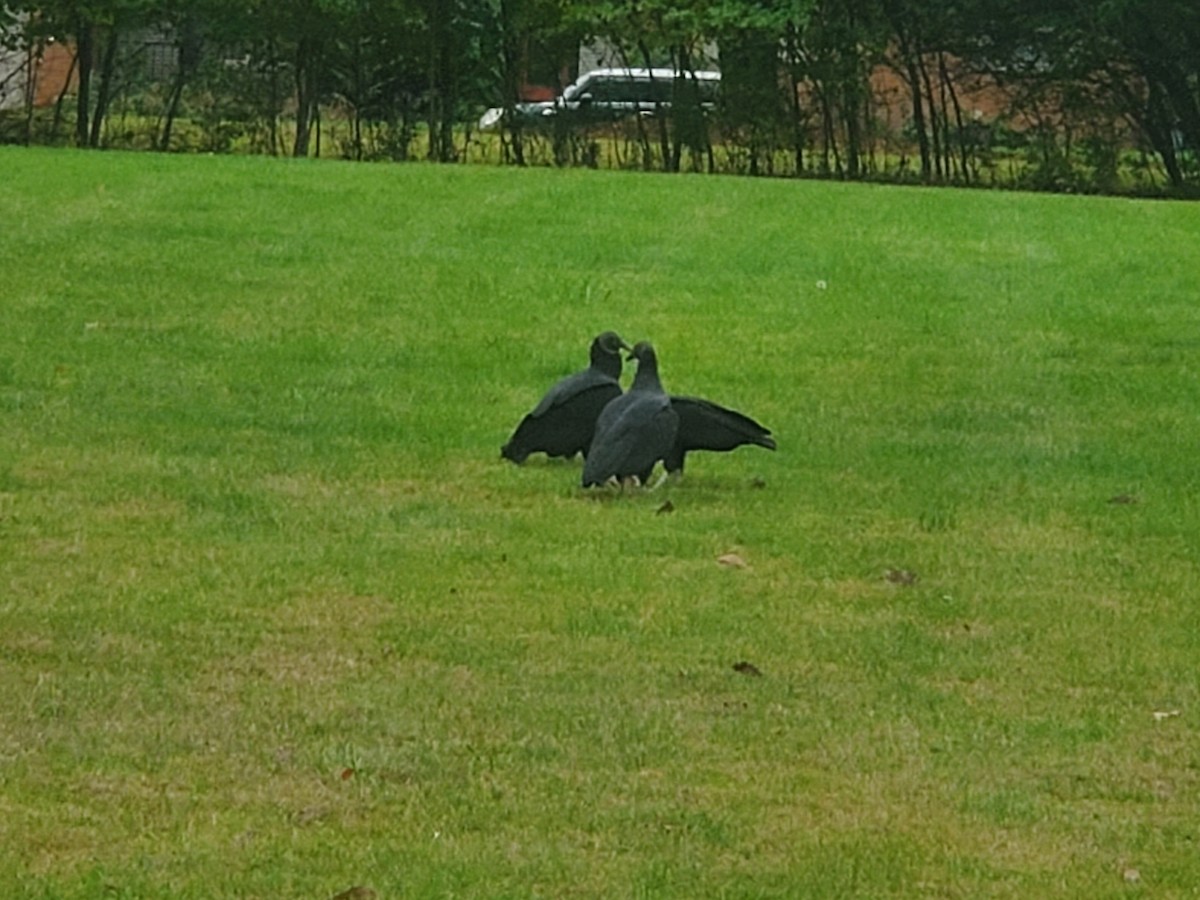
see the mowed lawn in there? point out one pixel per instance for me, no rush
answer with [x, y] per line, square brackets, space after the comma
[277, 621]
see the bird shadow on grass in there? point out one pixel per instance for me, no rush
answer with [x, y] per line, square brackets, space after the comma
[548, 463]
[698, 491]
[701, 489]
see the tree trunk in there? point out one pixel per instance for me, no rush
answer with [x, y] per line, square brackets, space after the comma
[963, 143]
[1157, 125]
[173, 102]
[643, 135]
[190, 47]
[441, 91]
[448, 152]
[851, 111]
[829, 135]
[359, 87]
[510, 80]
[164, 141]
[1183, 102]
[273, 135]
[934, 126]
[852, 91]
[30, 88]
[909, 46]
[62, 95]
[516, 137]
[664, 138]
[678, 114]
[793, 58]
[306, 94]
[84, 54]
[944, 107]
[357, 135]
[919, 125]
[104, 91]
[691, 122]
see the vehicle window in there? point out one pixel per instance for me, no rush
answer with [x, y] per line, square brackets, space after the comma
[605, 90]
[643, 91]
[659, 90]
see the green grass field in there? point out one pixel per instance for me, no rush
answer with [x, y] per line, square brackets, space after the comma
[276, 620]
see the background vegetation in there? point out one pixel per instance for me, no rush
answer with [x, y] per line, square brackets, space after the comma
[1062, 95]
[276, 620]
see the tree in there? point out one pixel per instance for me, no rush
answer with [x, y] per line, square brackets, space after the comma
[519, 29]
[1160, 41]
[652, 33]
[96, 27]
[760, 85]
[296, 36]
[842, 42]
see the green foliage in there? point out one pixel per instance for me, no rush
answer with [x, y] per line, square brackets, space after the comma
[803, 80]
[276, 620]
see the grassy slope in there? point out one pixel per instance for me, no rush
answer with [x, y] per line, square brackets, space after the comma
[275, 620]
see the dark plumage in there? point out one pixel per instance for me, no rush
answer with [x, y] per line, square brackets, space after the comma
[704, 425]
[635, 430]
[562, 424]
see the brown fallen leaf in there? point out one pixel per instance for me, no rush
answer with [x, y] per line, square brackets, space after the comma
[747, 668]
[732, 561]
[347, 774]
[1131, 876]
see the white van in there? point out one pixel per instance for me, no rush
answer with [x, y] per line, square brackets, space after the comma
[608, 94]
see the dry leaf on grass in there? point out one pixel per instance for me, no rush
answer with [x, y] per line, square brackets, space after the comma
[747, 668]
[732, 561]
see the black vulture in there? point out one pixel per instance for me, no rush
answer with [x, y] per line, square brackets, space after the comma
[635, 430]
[704, 425]
[562, 424]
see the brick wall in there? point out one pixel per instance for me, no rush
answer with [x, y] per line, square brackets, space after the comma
[55, 68]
